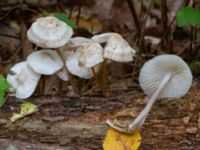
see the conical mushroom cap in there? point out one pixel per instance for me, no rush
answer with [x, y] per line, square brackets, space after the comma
[116, 47]
[74, 68]
[49, 32]
[45, 62]
[23, 80]
[154, 71]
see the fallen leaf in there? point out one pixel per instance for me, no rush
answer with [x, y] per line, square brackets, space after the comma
[25, 109]
[121, 141]
[91, 25]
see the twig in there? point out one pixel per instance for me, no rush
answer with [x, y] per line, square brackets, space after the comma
[10, 36]
[134, 15]
[79, 14]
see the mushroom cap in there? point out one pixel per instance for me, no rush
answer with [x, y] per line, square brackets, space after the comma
[154, 71]
[77, 41]
[91, 52]
[23, 80]
[117, 48]
[74, 68]
[103, 38]
[45, 62]
[49, 32]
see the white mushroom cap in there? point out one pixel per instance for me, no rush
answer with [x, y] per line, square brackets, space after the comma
[116, 47]
[45, 62]
[23, 80]
[49, 32]
[77, 41]
[91, 54]
[74, 68]
[154, 71]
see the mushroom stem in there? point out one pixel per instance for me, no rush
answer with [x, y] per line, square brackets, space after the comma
[71, 80]
[104, 77]
[137, 123]
[98, 81]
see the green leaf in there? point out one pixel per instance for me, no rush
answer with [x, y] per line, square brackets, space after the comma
[65, 18]
[2, 99]
[188, 16]
[4, 85]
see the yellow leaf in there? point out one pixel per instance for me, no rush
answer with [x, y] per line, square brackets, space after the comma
[25, 109]
[121, 141]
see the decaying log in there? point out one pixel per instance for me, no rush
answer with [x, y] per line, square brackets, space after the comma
[79, 123]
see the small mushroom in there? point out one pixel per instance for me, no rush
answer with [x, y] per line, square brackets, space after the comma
[23, 80]
[49, 32]
[45, 62]
[74, 68]
[116, 47]
[165, 76]
[91, 53]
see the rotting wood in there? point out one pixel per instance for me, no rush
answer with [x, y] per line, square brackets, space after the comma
[79, 123]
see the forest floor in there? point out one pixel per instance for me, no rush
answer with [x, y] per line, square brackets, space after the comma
[65, 121]
[78, 123]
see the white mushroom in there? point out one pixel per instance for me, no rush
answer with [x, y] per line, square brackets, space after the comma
[23, 80]
[91, 53]
[165, 76]
[49, 32]
[45, 62]
[116, 48]
[74, 68]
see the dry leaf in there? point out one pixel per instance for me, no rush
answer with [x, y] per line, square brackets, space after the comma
[120, 141]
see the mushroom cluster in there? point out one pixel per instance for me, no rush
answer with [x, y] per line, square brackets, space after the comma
[63, 55]
[161, 77]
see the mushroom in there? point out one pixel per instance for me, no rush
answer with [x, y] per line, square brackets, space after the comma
[90, 55]
[165, 76]
[23, 80]
[116, 48]
[74, 68]
[91, 52]
[49, 32]
[45, 62]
